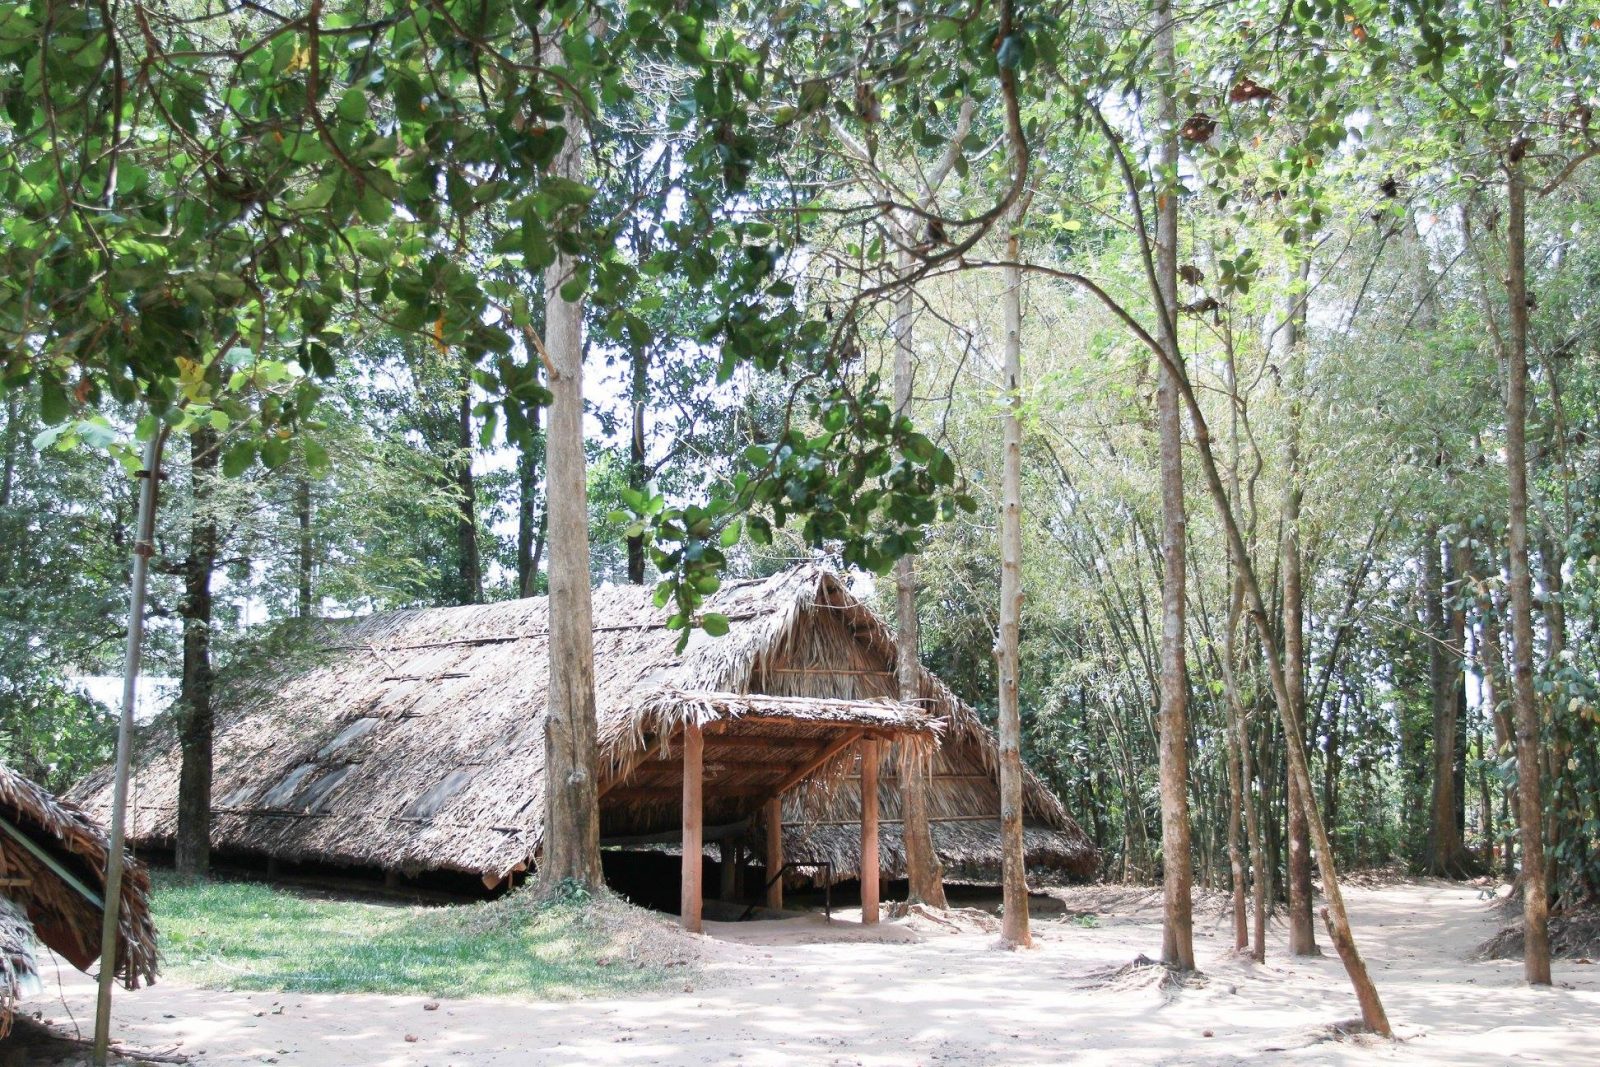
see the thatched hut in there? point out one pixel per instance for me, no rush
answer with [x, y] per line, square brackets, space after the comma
[413, 740]
[52, 887]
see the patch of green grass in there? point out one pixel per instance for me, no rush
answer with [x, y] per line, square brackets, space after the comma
[245, 935]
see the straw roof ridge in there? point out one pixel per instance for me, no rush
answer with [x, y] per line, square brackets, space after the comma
[54, 910]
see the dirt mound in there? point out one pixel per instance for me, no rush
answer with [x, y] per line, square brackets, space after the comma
[621, 933]
[1572, 937]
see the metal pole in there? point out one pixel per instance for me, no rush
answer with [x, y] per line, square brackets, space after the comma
[143, 549]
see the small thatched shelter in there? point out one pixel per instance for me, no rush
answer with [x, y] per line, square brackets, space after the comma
[413, 740]
[52, 886]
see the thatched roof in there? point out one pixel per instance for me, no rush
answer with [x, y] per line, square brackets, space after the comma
[413, 740]
[52, 862]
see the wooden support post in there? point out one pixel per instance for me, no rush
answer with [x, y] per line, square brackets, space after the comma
[774, 820]
[728, 873]
[693, 759]
[869, 832]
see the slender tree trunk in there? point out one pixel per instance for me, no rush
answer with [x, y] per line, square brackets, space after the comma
[192, 853]
[469, 575]
[1460, 560]
[111, 912]
[1524, 702]
[304, 556]
[8, 451]
[925, 880]
[1177, 935]
[638, 476]
[1446, 851]
[1302, 931]
[530, 526]
[1258, 847]
[1238, 720]
[1485, 800]
[571, 847]
[1236, 862]
[1014, 930]
[1331, 763]
[1494, 665]
[1334, 913]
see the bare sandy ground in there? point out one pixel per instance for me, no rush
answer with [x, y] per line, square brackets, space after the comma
[803, 991]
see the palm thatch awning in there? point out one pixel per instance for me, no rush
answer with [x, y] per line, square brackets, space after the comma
[52, 884]
[414, 740]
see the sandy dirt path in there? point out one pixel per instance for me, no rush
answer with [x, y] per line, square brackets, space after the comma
[805, 992]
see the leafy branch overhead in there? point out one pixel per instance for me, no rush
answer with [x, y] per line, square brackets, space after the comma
[215, 208]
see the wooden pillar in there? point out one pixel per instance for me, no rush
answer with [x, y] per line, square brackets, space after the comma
[869, 832]
[774, 819]
[728, 872]
[693, 827]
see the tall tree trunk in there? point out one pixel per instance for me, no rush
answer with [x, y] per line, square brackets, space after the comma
[10, 448]
[1524, 702]
[8, 451]
[1014, 930]
[1332, 765]
[1485, 799]
[1460, 563]
[1260, 869]
[111, 913]
[1234, 754]
[1302, 931]
[1238, 720]
[925, 880]
[638, 475]
[192, 852]
[1177, 935]
[530, 529]
[1334, 914]
[469, 574]
[304, 554]
[571, 849]
[1445, 849]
